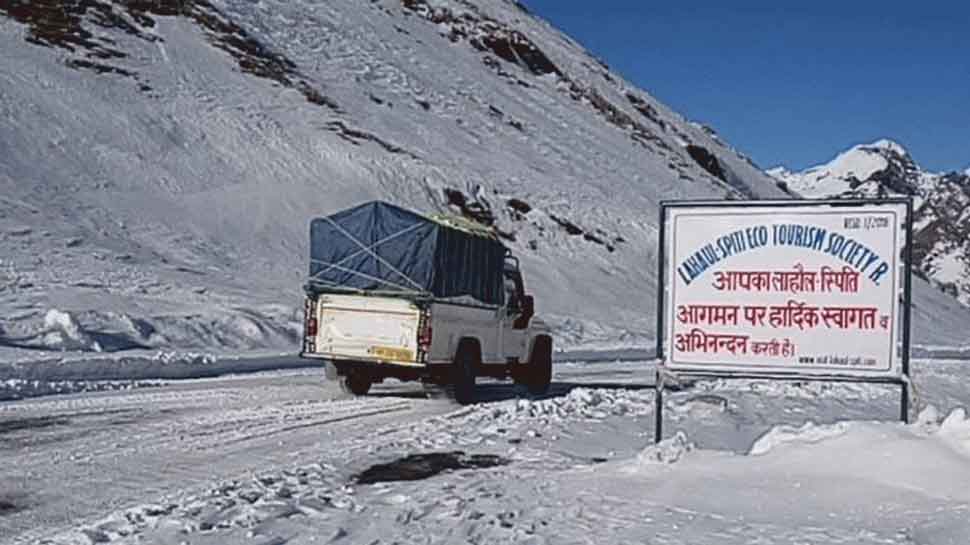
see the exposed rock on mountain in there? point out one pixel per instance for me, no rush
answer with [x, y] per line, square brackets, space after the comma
[941, 226]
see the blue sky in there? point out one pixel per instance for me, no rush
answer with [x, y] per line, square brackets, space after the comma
[794, 84]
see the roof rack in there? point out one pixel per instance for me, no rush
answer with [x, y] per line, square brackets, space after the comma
[464, 224]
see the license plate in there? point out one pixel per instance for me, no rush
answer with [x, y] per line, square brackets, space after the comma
[396, 354]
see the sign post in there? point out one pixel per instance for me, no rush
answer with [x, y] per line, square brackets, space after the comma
[781, 290]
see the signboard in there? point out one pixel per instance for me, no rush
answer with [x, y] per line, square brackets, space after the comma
[785, 288]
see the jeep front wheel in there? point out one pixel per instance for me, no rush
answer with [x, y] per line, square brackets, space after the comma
[539, 371]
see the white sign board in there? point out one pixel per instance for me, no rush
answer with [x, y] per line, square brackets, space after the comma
[784, 288]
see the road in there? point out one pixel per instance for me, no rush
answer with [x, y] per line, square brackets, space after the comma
[275, 457]
[67, 460]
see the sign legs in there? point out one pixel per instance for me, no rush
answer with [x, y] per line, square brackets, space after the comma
[659, 408]
[904, 403]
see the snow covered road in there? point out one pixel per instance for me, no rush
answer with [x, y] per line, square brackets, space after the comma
[64, 459]
[282, 457]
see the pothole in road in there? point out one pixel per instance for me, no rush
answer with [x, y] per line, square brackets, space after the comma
[7, 507]
[417, 467]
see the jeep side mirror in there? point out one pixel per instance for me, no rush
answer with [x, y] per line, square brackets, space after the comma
[528, 311]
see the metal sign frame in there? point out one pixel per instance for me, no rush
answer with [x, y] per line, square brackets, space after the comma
[903, 338]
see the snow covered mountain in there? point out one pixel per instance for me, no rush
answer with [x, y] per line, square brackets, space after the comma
[941, 249]
[881, 168]
[160, 162]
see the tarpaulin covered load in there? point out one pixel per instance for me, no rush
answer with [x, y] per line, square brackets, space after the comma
[381, 247]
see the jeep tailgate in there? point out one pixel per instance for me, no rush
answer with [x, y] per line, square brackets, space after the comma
[368, 328]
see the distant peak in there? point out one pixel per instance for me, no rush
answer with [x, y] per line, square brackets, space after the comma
[885, 144]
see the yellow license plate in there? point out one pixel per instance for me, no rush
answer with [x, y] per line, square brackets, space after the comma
[396, 354]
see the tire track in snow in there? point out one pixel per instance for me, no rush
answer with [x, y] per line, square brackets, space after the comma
[174, 440]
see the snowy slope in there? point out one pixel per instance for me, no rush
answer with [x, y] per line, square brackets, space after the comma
[160, 162]
[942, 204]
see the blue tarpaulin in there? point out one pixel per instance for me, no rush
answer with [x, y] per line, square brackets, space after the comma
[381, 247]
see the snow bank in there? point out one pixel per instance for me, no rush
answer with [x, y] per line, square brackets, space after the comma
[786, 435]
[54, 376]
[579, 403]
[14, 389]
[956, 423]
[955, 430]
[700, 406]
[791, 440]
[210, 328]
[668, 451]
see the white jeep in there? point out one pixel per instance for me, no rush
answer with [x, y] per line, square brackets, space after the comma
[395, 294]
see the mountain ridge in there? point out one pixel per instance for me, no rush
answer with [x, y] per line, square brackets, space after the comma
[158, 177]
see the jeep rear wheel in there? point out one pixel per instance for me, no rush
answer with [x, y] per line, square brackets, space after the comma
[463, 371]
[538, 376]
[356, 384]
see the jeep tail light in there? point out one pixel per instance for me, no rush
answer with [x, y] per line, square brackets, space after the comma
[310, 317]
[424, 332]
[424, 338]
